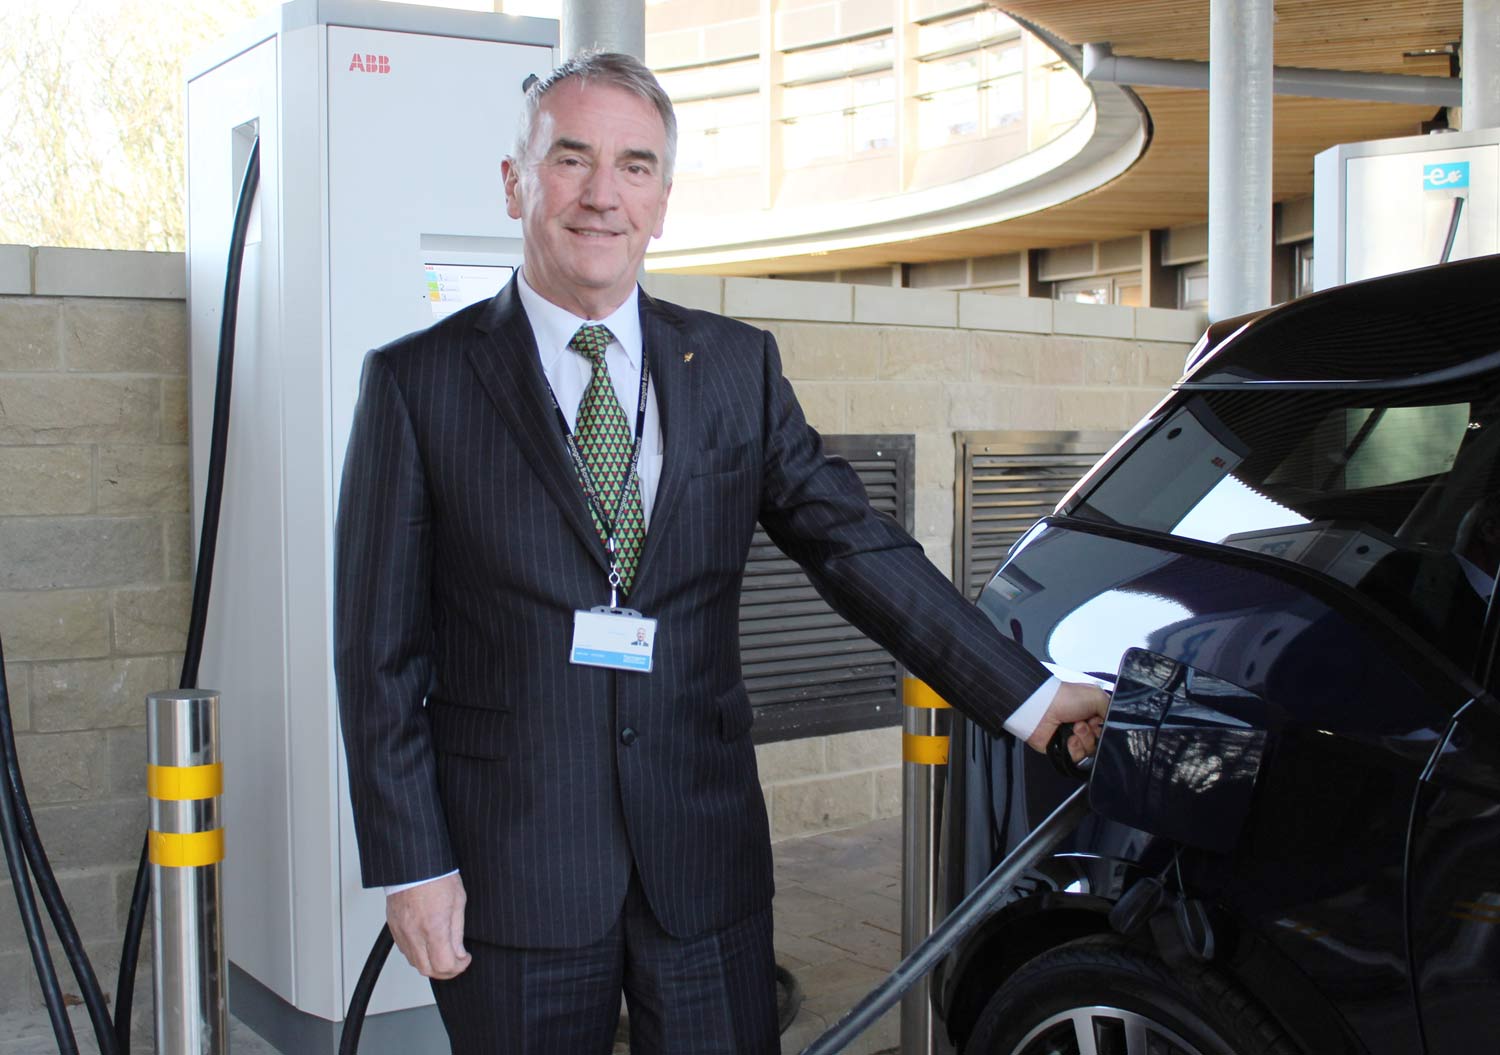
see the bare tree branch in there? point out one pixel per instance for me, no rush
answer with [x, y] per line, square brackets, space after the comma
[91, 124]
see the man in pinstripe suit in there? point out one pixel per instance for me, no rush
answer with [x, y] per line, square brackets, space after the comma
[550, 832]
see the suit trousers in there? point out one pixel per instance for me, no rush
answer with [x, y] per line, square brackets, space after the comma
[712, 994]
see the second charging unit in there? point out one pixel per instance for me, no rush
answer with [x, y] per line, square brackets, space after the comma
[1391, 204]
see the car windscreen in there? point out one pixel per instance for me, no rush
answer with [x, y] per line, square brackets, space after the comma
[1395, 493]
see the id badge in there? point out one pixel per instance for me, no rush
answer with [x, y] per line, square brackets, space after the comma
[617, 638]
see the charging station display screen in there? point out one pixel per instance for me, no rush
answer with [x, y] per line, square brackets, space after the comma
[454, 286]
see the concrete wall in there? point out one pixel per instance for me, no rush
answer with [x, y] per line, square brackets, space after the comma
[94, 563]
[870, 359]
[95, 539]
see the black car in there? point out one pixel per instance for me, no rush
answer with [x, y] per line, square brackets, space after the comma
[1285, 573]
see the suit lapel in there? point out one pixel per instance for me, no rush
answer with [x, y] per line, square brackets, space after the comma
[510, 372]
[675, 379]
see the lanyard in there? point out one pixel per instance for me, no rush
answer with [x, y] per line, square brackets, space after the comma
[591, 490]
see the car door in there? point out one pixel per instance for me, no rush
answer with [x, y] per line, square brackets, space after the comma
[1349, 710]
[1454, 878]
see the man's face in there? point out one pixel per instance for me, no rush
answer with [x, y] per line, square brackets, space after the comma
[590, 194]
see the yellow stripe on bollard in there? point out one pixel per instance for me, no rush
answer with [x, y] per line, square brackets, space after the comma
[917, 693]
[924, 750]
[173, 850]
[182, 783]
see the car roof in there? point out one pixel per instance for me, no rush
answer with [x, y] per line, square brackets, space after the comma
[1414, 327]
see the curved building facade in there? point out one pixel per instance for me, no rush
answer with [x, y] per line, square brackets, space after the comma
[814, 126]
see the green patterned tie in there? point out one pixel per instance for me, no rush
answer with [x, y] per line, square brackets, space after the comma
[605, 439]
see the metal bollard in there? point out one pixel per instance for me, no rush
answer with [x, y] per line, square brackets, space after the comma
[924, 754]
[184, 779]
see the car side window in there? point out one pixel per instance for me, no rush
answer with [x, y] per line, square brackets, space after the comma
[1395, 493]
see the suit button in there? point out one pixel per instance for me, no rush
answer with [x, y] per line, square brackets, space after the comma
[627, 736]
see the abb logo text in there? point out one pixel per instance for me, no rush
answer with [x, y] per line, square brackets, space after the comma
[370, 63]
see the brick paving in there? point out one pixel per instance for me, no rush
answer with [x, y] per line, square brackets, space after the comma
[838, 930]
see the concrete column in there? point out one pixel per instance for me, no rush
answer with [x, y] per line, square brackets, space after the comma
[610, 25]
[770, 106]
[1481, 64]
[1239, 157]
[904, 66]
[1158, 280]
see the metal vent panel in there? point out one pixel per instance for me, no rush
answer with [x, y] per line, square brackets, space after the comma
[808, 671]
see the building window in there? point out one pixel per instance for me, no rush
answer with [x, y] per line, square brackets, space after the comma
[719, 135]
[1302, 268]
[711, 80]
[718, 116]
[1101, 289]
[1192, 286]
[873, 124]
[963, 32]
[838, 60]
[838, 102]
[969, 78]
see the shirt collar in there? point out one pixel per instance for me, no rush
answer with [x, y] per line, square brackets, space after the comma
[554, 327]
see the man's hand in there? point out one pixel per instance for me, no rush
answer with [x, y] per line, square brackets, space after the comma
[1081, 704]
[427, 922]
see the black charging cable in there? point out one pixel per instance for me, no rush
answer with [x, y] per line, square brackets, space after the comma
[13, 807]
[359, 1002]
[973, 910]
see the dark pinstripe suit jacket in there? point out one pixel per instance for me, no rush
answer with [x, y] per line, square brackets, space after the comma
[465, 546]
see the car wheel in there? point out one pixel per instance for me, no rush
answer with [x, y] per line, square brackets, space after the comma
[1099, 996]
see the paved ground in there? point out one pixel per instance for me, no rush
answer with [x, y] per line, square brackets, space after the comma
[838, 929]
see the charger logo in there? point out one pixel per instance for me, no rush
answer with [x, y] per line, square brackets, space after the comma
[1446, 177]
[370, 63]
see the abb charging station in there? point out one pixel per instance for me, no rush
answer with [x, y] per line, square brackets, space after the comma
[381, 129]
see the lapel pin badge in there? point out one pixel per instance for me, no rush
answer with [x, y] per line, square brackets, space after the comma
[687, 357]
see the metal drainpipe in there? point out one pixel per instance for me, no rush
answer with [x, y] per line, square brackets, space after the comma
[1239, 157]
[1481, 64]
[1100, 63]
[610, 25]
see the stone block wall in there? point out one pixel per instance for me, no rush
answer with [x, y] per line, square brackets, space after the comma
[824, 783]
[95, 535]
[94, 565]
